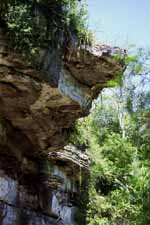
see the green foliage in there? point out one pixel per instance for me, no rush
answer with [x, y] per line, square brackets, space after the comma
[126, 60]
[40, 23]
[117, 81]
[20, 21]
[119, 153]
[145, 215]
[119, 189]
[77, 18]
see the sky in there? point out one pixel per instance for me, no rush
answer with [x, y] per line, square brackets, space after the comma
[120, 22]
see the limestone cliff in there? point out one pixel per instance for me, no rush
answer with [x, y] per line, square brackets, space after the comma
[40, 180]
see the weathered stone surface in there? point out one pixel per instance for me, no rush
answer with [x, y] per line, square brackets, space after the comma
[93, 65]
[71, 158]
[52, 202]
[11, 215]
[44, 113]
[37, 191]
[41, 182]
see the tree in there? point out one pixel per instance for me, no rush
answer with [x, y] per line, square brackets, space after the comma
[116, 135]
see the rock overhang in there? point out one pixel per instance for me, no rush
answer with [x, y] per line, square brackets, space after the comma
[38, 105]
[44, 113]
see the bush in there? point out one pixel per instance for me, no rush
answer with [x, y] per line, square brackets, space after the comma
[45, 23]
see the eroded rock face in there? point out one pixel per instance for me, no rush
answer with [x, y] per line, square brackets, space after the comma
[31, 104]
[71, 157]
[41, 181]
[49, 197]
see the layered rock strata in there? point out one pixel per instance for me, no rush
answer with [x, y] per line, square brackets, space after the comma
[39, 183]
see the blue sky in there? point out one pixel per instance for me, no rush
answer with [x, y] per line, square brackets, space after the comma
[120, 22]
